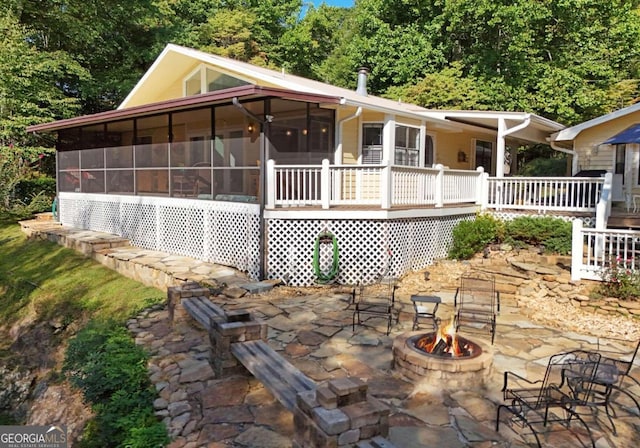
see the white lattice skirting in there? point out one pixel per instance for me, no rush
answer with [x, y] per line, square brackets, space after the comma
[368, 248]
[226, 233]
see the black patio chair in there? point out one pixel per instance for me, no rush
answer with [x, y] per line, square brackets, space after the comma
[614, 375]
[477, 303]
[377, 299]
[543, 405]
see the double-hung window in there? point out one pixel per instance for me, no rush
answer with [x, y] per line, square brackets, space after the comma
[407, 145]
[372, 143]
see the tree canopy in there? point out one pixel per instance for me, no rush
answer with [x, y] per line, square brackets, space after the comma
[568, 60]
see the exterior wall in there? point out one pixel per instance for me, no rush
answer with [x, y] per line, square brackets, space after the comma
[226, 233]
[593, 155]
[447, 146]
[350, 132]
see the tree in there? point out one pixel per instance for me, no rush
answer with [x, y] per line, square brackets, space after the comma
[446, 89]
[305, 46]
[113, 41]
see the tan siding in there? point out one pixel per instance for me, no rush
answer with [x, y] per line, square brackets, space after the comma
[408, 121]
[368, 116]
[449, 144]
[588, 144]
[350, 141]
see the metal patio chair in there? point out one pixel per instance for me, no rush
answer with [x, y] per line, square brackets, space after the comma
[552, 402]
[377, 299]
[477, 303]
[614, 378]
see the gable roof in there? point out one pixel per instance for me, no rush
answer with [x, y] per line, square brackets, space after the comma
[173, 55]
[571, 133]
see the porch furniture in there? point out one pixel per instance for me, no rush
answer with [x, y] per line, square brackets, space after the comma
[542, 405]
[636, 202]
[377, 299]
[477, 303]
[425, 307]
[614, 375]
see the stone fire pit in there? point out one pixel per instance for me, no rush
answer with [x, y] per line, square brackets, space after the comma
[446, 372]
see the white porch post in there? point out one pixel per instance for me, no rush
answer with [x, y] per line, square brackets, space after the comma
[325, 184]
[439, 196]
[271, 184]
[482, 190]
[386, 186]
[576, 250]
[388, 139]
[500, 145]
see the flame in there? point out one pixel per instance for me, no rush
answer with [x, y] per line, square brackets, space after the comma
[446, 333]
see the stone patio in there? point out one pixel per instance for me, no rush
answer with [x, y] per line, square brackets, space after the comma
[311, 327]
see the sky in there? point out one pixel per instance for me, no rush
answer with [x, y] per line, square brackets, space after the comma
[347, 3]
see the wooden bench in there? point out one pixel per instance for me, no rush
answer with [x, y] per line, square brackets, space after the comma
[202, 310]
[281, 378]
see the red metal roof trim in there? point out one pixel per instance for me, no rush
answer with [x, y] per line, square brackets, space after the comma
[182, 103]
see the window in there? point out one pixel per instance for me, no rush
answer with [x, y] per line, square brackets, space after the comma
[203, 80]
[372, 143]
[407, 145]
[484, 154]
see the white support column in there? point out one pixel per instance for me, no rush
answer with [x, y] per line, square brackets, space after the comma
[576, 250]
[388, 139]
[325, 184]
[500, 146]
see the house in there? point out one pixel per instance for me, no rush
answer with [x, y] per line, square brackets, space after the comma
[608, 143]
[245, 166]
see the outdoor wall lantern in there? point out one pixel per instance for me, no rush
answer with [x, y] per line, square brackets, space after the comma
[462, 156]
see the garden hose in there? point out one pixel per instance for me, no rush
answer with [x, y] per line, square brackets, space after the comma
[333, 272]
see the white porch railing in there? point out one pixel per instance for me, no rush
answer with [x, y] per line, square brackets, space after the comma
[595, 250]
[569, 194]
[383, 185]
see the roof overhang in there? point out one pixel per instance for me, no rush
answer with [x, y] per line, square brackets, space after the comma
[537, 131]
[221, 96]
[570, 134]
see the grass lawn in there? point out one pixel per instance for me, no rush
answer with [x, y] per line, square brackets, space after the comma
[42, 281]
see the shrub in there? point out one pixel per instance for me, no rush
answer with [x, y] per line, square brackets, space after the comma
[26, 189]
[104, 362]
[470, 237]
[620, 281]
[552, 233]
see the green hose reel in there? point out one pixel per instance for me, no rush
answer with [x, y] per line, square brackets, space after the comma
[326, 237]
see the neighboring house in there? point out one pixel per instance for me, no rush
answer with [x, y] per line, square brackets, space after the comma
[244, 166]
[609, 143]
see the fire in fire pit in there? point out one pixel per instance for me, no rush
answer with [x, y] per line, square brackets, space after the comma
[446, 343]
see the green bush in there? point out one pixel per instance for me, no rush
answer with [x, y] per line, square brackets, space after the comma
[470, 237]
[552, 233]
[104, 362]
[26, 189]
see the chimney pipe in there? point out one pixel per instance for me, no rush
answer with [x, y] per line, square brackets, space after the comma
[363, 73]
